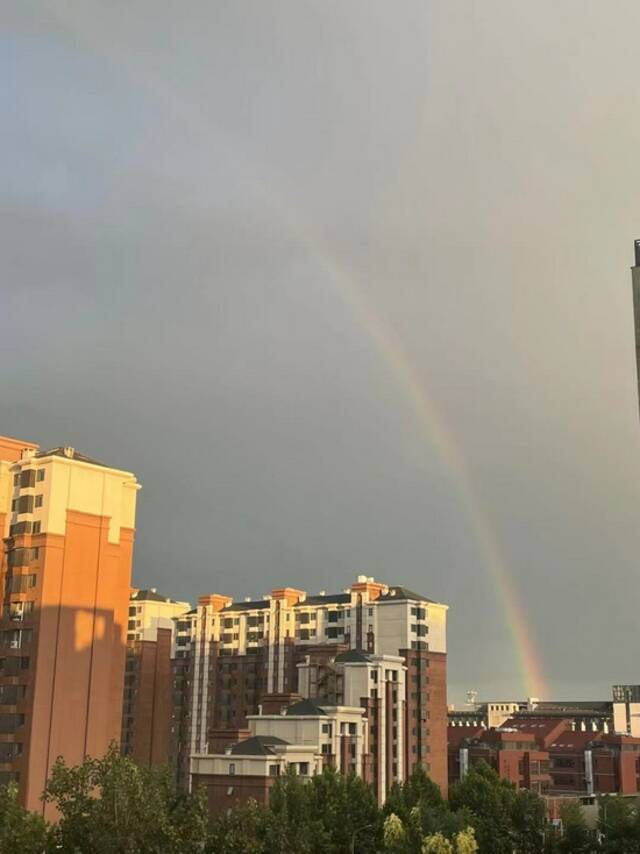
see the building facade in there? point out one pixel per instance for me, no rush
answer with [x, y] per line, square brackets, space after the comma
[304, 736]
[68, 529]
[148, 681]
[231, 655]
[147, 705]
[550, 756]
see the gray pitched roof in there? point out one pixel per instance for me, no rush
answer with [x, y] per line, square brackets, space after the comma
[305, 707]
[73, 455]
[258, 745]
[397, 591]
[247, 606]
[150, 596]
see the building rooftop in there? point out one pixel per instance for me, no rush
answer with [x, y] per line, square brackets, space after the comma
[70, 454]
[257, 745]
[254, 605]
[305, 707]
[397, 591]
[353, 655]
[329, 599]
[152, 595]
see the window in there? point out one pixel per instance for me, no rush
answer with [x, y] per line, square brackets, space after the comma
[332, 617]
[371, 612]
[326, 728]
[38, 502]
[37, 527]
[232, 769]
[27, 478]
[331, 632]
[326, 748]
[40, 475]
[274, 770]
[25, 504]
[304, 769]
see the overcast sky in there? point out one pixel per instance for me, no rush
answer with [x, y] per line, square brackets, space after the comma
[193, 195]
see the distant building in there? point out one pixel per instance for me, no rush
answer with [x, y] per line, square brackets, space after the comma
[231, 657]
[68, 526]
[550, 756]
[148, 682]
[591, 715]
[626, 709]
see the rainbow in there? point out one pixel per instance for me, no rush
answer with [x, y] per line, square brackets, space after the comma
[440, 434]
[443, 441]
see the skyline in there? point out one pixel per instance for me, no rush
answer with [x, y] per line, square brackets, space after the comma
[228, 239]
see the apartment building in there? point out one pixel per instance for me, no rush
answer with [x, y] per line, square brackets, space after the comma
[233, 654]
[148, 682]
[305, 736]
[68, 529]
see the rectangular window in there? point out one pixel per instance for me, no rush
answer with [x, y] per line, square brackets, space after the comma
[27, 478]
[37, 527]
[304, 769]
[25, 504]
[232, 769]
[332, 617]
[38, 502]
[40, 475]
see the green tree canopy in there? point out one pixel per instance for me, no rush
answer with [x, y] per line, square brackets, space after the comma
[113, 806]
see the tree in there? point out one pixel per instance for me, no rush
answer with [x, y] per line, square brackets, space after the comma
[20, 830]
[329, 814]
[436, 844]
[394, 834]
[113, 806]
[528, 816]
[466, 842]
[491, 800]
[619, 824]
[576, 837]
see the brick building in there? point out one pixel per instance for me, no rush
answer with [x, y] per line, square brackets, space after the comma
[231, 655]
[550, 756]
[148, 681]
[68, 527]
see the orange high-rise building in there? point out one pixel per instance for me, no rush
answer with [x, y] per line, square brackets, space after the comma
[65, 572]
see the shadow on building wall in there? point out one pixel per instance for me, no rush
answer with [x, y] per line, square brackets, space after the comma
[61, 683]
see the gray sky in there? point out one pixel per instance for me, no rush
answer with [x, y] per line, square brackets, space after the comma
[192, 196]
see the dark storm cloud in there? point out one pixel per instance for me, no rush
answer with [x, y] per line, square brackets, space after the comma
[179, 185]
